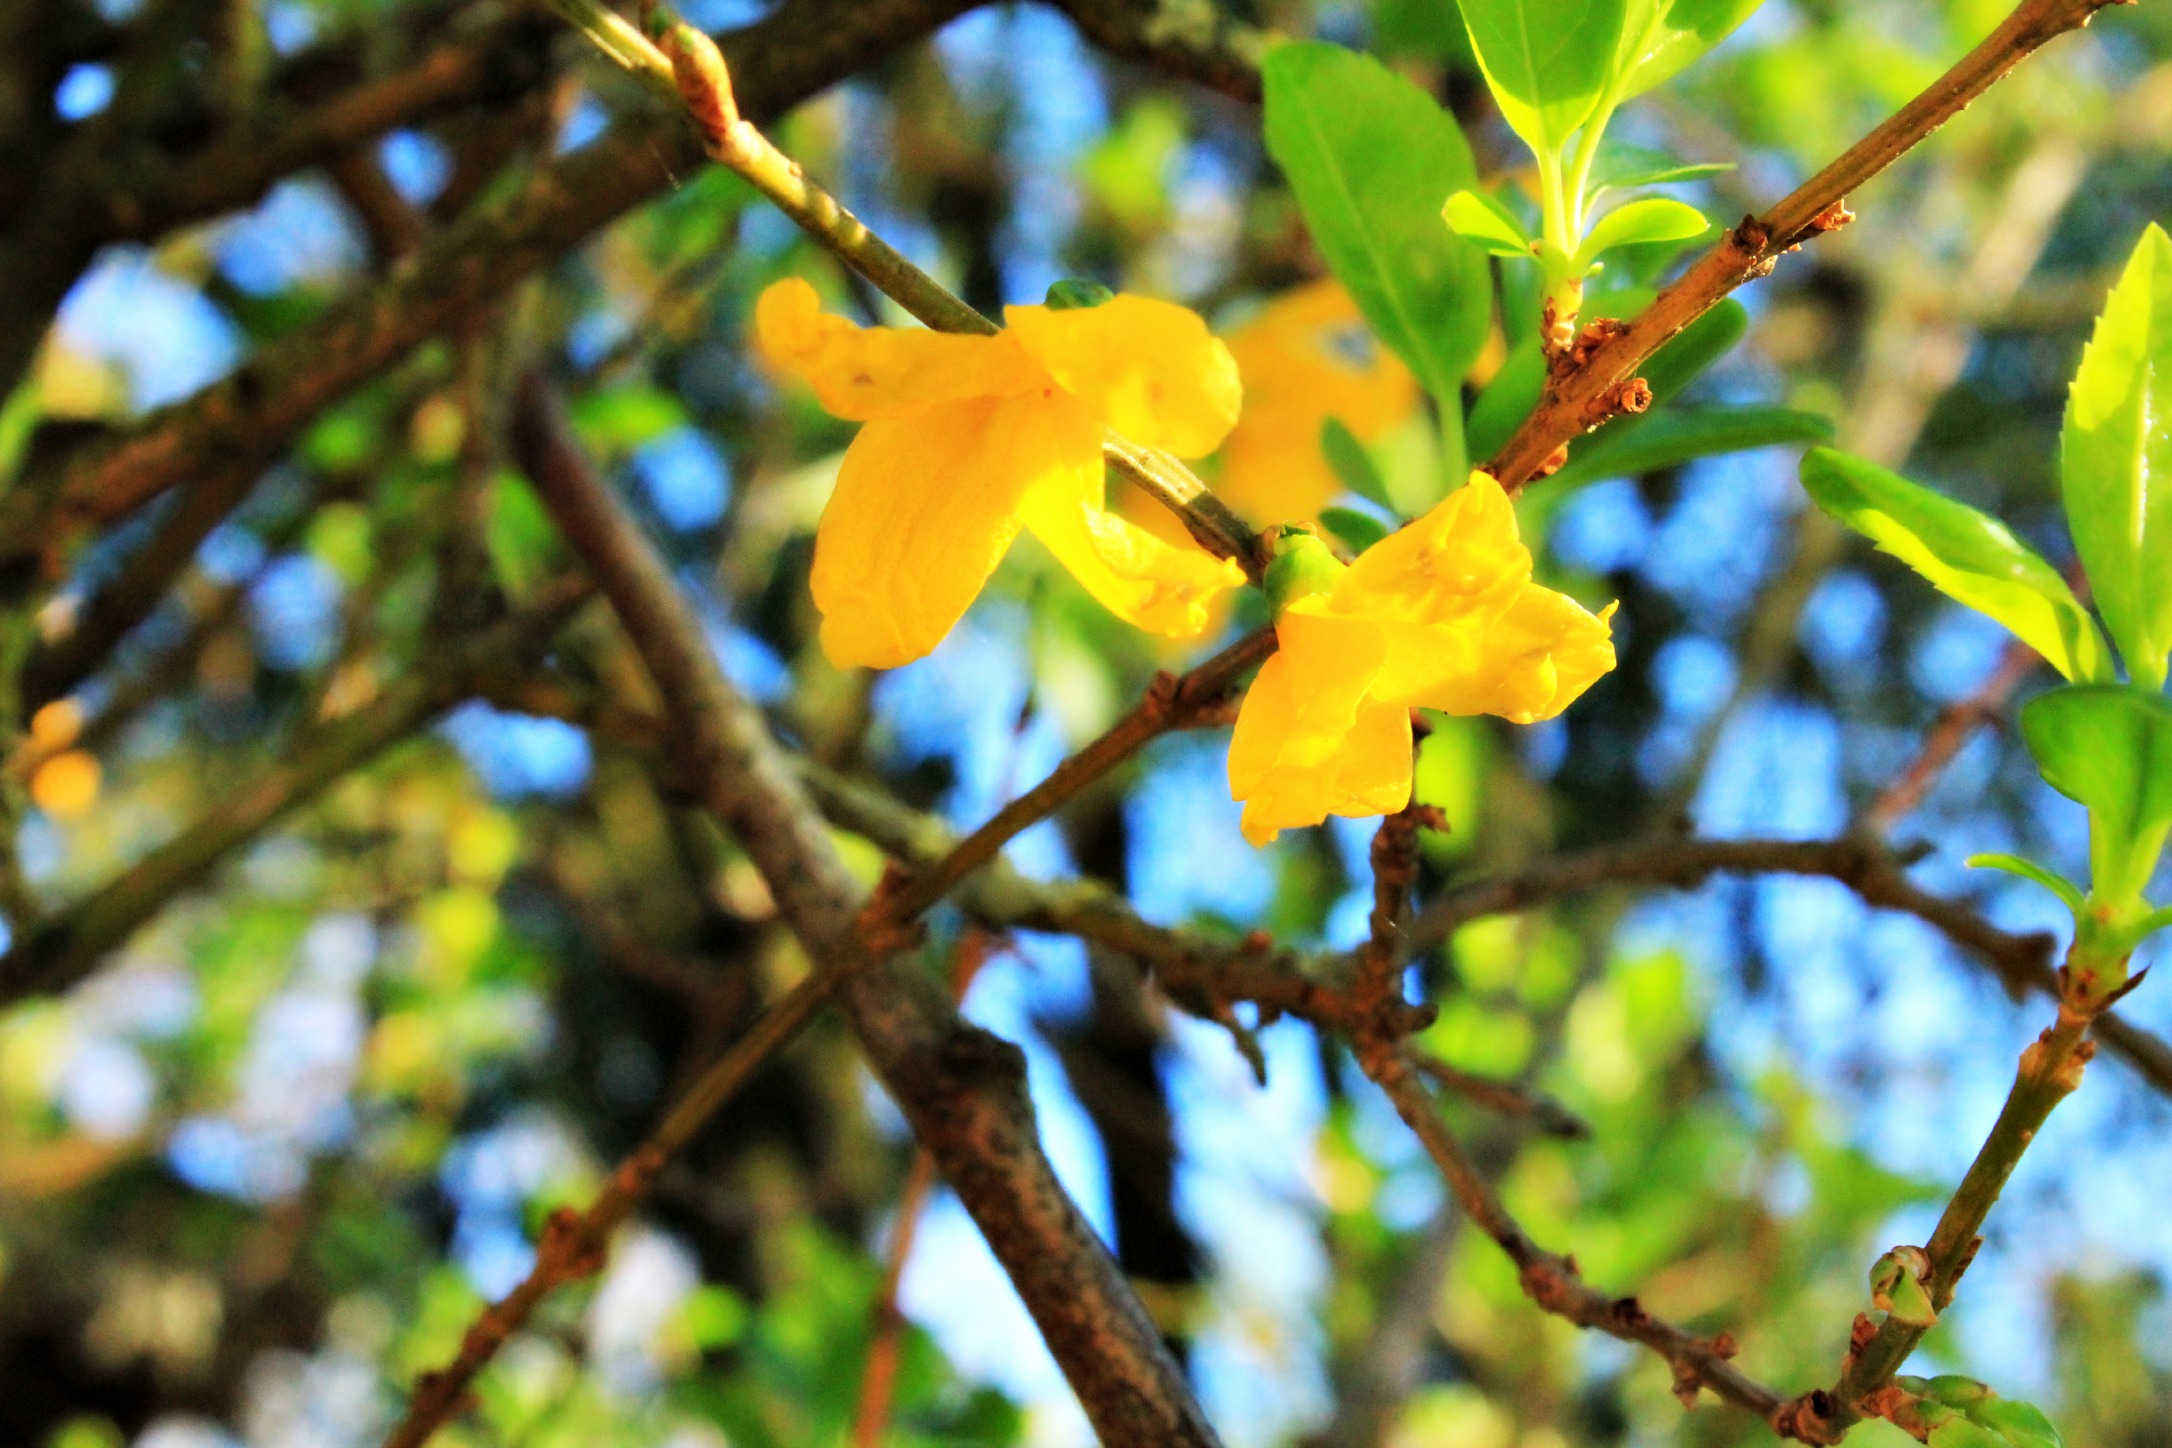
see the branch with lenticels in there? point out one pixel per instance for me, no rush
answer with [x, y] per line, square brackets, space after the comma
[1609, 354]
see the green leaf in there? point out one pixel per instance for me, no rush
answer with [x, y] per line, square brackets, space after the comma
[1621, 167]
[1429, 28]
[1548, 62]
[1371, 158]
[1967, 555]
[1357, 531]
[1671, 438]
[2021, 1424]
[617, 420]
[522, 541]
[1353, 463]
[1959, 1432]
[1661, 38]
[1073, 294]
[1508, 399]
[2116, 460]
[1693, 351]
[1654, 218]
[1482, 219]
[2109, 747]
[2068, 892]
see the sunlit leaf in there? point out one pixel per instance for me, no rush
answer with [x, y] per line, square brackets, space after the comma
[2110, 748]
[1652, 219]
[1966, 554]
[2116, 458]
[2068, 892]
[1660, 38]
[1372, 158]
[1353, 463]
[1356, 531]
[1479, 218]
[2021, 1424]
[1671, 438]
[1622, 167]
[1547, 61]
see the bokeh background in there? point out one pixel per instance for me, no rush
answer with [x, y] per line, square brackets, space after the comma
[267, 1164]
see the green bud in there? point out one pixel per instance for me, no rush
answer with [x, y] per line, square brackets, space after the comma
[1073, 293]
[1303, 567]
[1956, 1391]
[1899, 1286]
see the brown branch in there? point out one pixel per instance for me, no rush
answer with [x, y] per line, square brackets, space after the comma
[1553, 1282]
[1170, 704]
[1194, 40]
[963, 1090]
[1574, 401]
[1948, 735]
[1376, 983]
[54, 953]
[1202, 973]
[2021, 962]
[1504, 1098]
[253, 415]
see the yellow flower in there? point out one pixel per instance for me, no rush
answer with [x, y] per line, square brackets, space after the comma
[1306, 358]
[970, 438]
[1441, 615]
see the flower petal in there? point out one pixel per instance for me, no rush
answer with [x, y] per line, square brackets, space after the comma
[1461, 559]
[1149, 369]
[1309, 741]
[1528, 663]
[1305, 358]
[864, 373]
[925, 507]
[1161, 587]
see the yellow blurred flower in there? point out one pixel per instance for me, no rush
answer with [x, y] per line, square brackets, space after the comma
[66, 786]
[1441, 615]
[1304, 359]
[970, 438]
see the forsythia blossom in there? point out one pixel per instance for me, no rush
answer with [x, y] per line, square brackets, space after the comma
[1305, 358]
[970, 438]
[1441, 615]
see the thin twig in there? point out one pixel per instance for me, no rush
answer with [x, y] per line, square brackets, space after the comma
[573, 1244]
[1550, 1281]
[2021, 962]
[1377, 979]
[1171, 703]
[1949, 733]
[2050, 1071]
[1504, 1098]
[1576, 400]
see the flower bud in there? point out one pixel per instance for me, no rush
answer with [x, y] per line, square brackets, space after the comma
[1303, 567]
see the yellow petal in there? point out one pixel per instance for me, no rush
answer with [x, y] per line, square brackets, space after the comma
[863, 373]
[925, 507]
[1164, 588]
[1528, 663]
[1463, 557]
[1310, 741]
[1149, 369]
[1306, 358]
